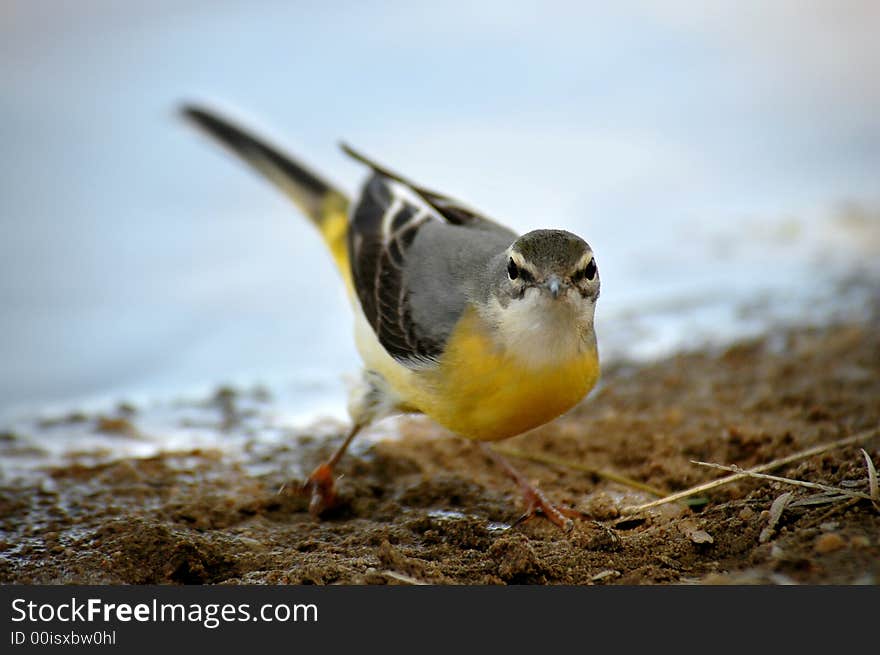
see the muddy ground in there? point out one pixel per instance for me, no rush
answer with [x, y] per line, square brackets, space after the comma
[430, 507]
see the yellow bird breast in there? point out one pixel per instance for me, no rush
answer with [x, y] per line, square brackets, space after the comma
[486, 392]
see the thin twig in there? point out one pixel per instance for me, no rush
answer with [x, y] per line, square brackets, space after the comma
[706, 486]
[403, 577]
[791, 481]
[841, 506]
[564, 463]
[873, 486]
[776, 510]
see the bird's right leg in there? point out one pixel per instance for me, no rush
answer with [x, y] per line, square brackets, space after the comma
[369, 400]
[321, 484]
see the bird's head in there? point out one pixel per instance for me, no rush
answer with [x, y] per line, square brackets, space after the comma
[554, 264]
[544, 298]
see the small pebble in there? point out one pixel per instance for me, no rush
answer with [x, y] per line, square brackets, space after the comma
[860, 541]
[829, 542]
[747, 514]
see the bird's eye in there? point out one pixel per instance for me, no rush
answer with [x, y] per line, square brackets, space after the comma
[512, 269]
[588, 272]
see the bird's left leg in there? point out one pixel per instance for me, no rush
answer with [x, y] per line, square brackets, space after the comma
[535, 499]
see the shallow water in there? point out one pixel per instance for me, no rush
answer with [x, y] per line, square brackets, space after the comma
[723, 171]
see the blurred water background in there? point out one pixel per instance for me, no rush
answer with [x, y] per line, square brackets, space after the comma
[722, 161]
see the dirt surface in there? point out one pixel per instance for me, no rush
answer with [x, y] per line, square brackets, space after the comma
[430, 507]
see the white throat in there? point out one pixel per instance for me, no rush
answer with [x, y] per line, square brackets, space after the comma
[542, 332]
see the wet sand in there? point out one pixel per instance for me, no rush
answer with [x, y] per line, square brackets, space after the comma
[429, 507]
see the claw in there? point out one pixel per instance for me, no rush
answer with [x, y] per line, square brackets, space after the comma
[537, 502]
[321, 485]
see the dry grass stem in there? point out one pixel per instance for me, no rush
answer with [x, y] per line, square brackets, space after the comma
[798, 483]
[873, 488]
[403, 577]
[776, 510]
[564, 463]
[753, 472]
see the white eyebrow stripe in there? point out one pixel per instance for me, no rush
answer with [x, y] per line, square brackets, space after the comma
[585, 260]
[522, 263]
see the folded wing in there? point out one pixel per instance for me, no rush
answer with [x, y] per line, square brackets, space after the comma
[412, 251]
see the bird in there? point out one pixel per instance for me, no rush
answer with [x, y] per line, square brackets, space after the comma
[488, 332]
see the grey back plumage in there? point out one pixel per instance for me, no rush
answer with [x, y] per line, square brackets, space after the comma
[417, 258]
